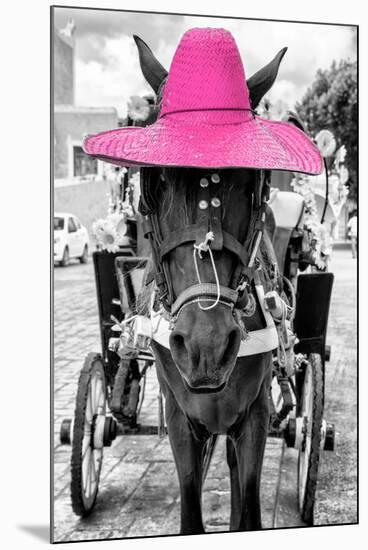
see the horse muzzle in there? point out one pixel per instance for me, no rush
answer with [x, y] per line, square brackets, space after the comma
[203, 387]
[204, 346]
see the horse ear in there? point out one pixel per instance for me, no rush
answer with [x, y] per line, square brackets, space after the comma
[262, 80]
[152, 69]
[293, 118]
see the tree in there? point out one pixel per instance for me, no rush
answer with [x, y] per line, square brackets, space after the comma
[331, 103]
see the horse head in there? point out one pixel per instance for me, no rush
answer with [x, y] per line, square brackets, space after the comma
[206, 337]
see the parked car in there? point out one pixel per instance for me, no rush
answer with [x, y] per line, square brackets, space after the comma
[70, 239]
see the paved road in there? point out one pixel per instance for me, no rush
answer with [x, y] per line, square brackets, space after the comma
[138, 490]
[337, 481]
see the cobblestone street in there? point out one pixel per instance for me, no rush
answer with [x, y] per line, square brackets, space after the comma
[139, 494]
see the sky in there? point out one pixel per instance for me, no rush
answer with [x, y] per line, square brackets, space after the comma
[107, 69]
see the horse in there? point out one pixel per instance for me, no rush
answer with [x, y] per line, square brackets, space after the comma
[209, 389]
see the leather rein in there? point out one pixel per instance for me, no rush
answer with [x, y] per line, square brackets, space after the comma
[206, 235]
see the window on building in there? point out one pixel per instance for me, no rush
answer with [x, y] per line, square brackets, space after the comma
[83, 164]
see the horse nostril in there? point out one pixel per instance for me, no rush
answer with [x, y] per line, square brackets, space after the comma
[232, 347]
[177, 344]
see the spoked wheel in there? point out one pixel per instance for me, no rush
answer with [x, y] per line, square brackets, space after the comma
[311, 410]
[88, 435]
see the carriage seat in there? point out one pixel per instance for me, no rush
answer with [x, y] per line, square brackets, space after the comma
[287, 208]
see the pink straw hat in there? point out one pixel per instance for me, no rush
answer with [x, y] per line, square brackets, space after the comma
[206, 118]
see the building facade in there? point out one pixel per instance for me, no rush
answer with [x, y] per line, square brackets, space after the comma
[72, 122]
[63, 69]
[81, 183]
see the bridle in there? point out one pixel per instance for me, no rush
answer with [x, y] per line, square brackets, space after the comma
[207, 235]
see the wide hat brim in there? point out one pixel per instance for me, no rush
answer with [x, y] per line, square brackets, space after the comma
[256, 143]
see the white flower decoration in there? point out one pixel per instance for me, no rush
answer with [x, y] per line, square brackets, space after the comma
[138, 108]
[109, 232]
[344, 174]
[340, 155]
[326, 143]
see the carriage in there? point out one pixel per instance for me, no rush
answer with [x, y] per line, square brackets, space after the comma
[243, 349]
[112, 382]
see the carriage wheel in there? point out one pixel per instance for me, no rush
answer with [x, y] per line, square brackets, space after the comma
[311, 409]
[89, 422]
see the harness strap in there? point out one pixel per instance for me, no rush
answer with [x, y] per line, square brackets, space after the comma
[176, 238]
[151, 231]
[232, 244]
[215, 218]
[189, 234]
[147, 226]
[203, 290]
[202, 221]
